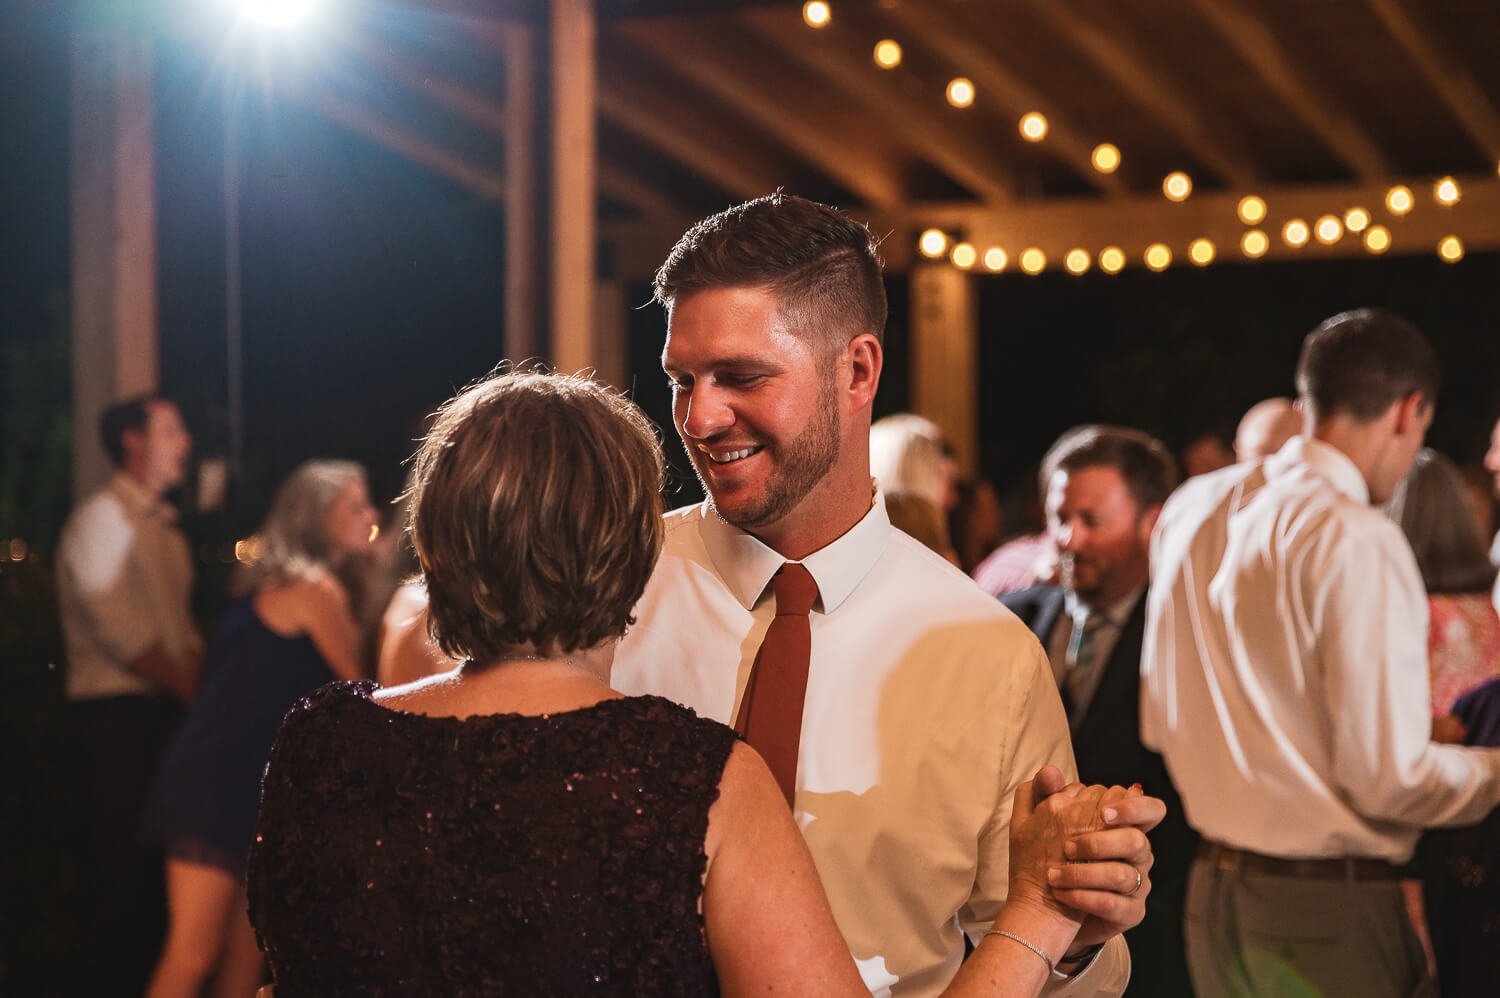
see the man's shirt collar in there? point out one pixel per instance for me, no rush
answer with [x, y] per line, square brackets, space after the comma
[1324, 460]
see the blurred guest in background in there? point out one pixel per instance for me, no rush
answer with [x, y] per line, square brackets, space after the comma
[908, 454]
[1265, 426]
[290, 630]
[125, 580]
[976, 524]
[917, 516]
[1208, 451]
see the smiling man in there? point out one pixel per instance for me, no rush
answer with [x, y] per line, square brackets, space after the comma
[905, 705]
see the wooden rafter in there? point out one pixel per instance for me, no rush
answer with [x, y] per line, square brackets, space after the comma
[1436, 59]
[482, 110]
[486, 183]
[718, 72]
[935, 27]
[1134, 74]
[1334, 127]
[629, 189]
[926, 126]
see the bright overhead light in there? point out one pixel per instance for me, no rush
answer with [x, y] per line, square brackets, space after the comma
[1356, 219]
[933, 243]
[1398, 200]
[960, 91]
[1328, 229]
[816, 13]
[1033, 126]
[963, 256]
[1077, 261]
[1177, 186]
[1295, 233]
[1033, 260]
[1158, 257]
[1446, 192]
[1251, 209]
[995, 259]
[1451, 249]
[887, 53]
[1202, 252]
[1111, 259]
[1377, 239]
[1106, 157]
[279, 13]
[1254, 244]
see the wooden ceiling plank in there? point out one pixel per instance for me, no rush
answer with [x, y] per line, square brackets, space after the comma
[486, 112]
[1135, 75]
[920, 124]
[486, 183]
[1334, 127]
[934, 27]
[1438, 61]
[647, 199]
[643, 117]
[692, 56]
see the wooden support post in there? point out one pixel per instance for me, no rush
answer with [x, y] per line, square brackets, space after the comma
[944, 355]
[611, 334]
[574, 246]
[113, 193]
[522, 339]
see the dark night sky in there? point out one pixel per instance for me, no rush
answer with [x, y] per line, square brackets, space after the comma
[372, 289]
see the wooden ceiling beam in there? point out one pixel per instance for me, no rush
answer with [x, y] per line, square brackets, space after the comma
[486, 183]
[935, 27]
[647, 199]
[1334, 127]
[1140, 78]
[924, 125]
[1437, 60]
[486, 112]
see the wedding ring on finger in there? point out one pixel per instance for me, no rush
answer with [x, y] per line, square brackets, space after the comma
[1139, 880]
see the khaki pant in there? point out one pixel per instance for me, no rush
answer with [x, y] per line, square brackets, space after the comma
[1253, 935]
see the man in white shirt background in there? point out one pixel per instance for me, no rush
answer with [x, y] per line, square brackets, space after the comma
[924, 703]
[1285, 681]
[125, 579]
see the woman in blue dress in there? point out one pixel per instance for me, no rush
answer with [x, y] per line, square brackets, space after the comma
[290, 630]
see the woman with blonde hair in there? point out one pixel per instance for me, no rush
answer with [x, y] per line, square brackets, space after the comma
[517, 826]
[290, 630]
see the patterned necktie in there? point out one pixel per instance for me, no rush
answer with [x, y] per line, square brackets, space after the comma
[770, 716]
[1080, 660]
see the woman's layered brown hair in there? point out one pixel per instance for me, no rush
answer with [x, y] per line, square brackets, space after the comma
[536, 515]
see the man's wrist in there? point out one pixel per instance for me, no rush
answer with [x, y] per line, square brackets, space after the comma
[1076, 959]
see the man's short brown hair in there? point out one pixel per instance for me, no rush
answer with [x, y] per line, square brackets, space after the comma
[821, 265]
[1361, 362]
[1144, 462]
[536, 514]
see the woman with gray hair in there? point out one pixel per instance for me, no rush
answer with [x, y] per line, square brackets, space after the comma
[289, 631]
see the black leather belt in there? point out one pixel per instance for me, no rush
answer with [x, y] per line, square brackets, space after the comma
[1351, 868]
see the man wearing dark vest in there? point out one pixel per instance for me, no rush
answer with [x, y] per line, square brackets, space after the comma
[1103, 487]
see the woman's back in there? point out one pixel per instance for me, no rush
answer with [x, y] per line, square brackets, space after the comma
[552, 854]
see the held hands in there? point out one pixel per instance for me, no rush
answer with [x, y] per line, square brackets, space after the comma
[1082, 853]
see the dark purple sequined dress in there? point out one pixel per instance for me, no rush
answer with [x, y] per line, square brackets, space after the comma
[497, 855]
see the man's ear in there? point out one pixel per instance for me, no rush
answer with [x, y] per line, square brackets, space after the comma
[1147, 523]
[1409, 411]
[865, 359]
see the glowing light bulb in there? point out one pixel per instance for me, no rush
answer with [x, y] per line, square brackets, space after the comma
[1111, 259]
[1398, 200]
[1077, 261]
[816, 13]
[1295, 233]
[1158, 257]
[963, 256]
[1377, 239]
[960, 91]
[280, 13]
[1177, 186]
[995, 259]
[1033, 260]
[1033, 126]
[1328, 229]
[887, 53]
[1446, 192]
[1255, 243]
[1202, 252]
[1451, 249]
[933, 243]
[1356, 219]
[1106, 157]
[1251, 209]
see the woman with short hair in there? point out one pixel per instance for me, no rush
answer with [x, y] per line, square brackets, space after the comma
[515, 825]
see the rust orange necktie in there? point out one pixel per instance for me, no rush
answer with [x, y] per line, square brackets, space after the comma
[770, 717]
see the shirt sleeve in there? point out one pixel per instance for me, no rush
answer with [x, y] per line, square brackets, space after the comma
[1372, 642]
[95, 556]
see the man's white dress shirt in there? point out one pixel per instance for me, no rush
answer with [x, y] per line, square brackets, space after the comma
[125, 580]
[927, 704]
[1284, 676]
